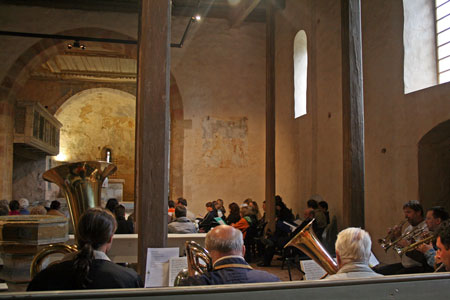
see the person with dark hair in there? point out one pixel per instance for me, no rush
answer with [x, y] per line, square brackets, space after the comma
[189, 214]
[414, 261]
[443, 246]
[55, 209]
[234, 215]
[123, 226]
[226, 248]
[14, 207]
[208, 221]
[434, 218]
[111, 204]
[319, 215]
[4, 210]
[323, 206]
[171, 211]
[181, 224]
[90, 268]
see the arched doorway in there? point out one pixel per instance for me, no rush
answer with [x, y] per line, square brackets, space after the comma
[434, 167]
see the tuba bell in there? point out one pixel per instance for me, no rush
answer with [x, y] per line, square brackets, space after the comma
[307, 242]
[81, 184]
[198, 259]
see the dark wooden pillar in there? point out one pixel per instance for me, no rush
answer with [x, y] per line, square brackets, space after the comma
[152, 126]
[353, 113]
[270, 114]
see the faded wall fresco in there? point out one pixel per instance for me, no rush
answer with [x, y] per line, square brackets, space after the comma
[225, 143]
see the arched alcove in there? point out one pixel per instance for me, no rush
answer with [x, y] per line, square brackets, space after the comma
[434, 171]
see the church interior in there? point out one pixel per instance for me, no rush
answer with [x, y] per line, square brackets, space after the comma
[87, 92]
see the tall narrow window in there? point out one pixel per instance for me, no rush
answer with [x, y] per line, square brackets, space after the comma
[300, 73]
[443, 39]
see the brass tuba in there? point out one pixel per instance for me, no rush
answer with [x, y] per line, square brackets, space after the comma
[307, 242]
[198, 260]
[81, 184]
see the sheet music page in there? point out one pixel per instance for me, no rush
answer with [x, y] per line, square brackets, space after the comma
[3, 286]
[176, 264]
[373, 261]
[312, 270]
[157, 268]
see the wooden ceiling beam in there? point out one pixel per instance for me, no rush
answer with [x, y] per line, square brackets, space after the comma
[241, 11]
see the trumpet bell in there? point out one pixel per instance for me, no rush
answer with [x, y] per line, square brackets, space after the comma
[307, 242]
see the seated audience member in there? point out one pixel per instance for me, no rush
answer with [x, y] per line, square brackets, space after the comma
[14, 207]
[90, 268]
[23, 203]
[123, 226]
[181, 224]
[247, 219]
[282, 232]
[4, 207]
[413, 212]
[254, 206]
[226, 247]
[323, 206]
[208, 221]
[220, 209]
[321, 219]
[47, 204]
[38, 210]
[111, 204]
[443, 246]
[234, 215]
[54, 210]
[171, 211]
[434, 218]
[190, 215]
[353, 246]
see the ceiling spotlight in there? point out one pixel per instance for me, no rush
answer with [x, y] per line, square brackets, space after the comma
[76, 44]
[198, 17]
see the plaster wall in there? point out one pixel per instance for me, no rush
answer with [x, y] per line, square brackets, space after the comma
[220, 74]
[315, 139]
[394, 122]
[27, 182]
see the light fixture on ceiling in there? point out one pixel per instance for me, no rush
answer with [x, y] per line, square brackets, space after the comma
[76, 44]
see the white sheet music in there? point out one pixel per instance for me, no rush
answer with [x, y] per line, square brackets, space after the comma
[157, 268]
[312, 270]
[176, 264]
[373, 261]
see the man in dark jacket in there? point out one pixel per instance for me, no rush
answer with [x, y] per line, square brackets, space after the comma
[226, 247]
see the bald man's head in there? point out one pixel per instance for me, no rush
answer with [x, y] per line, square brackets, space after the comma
[225, 240]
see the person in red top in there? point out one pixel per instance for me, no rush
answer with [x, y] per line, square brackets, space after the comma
[245, 222]
[14, 208]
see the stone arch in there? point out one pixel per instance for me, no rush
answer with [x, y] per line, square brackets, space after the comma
[433, 162]
[43, 50]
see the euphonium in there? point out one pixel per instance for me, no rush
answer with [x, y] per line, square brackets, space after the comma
[307, 242]
[81, 184]
[198, 260]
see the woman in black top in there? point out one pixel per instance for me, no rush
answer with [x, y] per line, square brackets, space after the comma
[90, 268]
[234, 215]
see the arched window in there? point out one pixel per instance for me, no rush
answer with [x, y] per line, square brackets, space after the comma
[300, 73]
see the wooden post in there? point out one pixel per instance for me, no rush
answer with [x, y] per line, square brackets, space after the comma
[353, 113]
[152, 126]
[270, 115]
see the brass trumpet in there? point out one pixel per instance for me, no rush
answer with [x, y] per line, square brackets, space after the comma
[387, 242]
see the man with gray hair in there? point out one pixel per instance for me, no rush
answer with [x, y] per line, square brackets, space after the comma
[353, 248]
[226, 248]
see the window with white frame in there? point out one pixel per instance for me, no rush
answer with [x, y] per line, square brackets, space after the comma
[300, 73]
[443, 39]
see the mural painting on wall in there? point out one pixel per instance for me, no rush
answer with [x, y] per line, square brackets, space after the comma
[225, 142]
